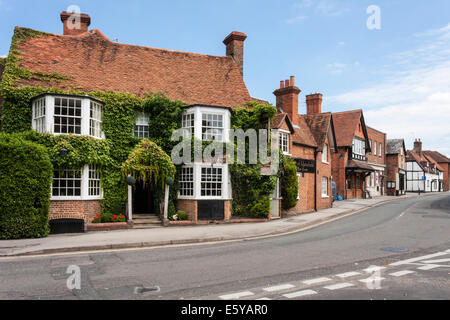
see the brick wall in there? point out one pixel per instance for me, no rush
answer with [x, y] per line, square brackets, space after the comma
[191, 208]
[338, 163]
[323, 170]
[75, 209]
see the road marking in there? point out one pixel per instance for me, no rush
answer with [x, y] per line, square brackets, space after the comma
[373, 269]
[348, 274]
[401, 215]
[372, 279]
[429, 256]
[436, 261]
[401, 273]
[263, 298]
[339, 286]
[236, 295]
[317, 280]
[279, 288]
[299, 294]
[429, 267]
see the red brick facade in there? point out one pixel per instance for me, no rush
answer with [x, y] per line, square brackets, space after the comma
[191, 208]
[76, 209]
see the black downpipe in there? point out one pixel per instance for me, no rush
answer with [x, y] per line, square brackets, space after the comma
[315, 180]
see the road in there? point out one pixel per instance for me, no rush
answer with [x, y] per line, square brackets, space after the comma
[343, 259]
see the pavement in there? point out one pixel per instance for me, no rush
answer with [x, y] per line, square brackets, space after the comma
[176, 235]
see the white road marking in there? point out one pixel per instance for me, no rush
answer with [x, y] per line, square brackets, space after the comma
[429, 267]
[279, 288]
[339, 286]
[373, 269]
[263, 298]
[429, 256]
[436, 261]
[236, 295]
[317, 280]
[348, 274]
[401, 273]
[401, 215]
[299, 294]
[372, 279]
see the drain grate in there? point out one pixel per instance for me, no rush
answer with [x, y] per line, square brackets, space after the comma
[394, 249]
[141, 290]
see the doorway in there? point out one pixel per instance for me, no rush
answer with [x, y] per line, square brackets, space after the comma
[143, 199]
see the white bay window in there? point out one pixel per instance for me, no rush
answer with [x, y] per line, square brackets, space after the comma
[77, 184]
[68, 114]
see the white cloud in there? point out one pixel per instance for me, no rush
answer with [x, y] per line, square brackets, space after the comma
[318, 7]
[413, 99]
[3, 55]
[336, 67]
[341, 43]
[296, 19]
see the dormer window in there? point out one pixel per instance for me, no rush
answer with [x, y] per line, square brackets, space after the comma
[66, 114]
[141, 129]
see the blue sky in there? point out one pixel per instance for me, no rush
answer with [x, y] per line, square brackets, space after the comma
[399, 75]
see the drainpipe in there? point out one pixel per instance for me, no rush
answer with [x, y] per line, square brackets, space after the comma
[315, 179]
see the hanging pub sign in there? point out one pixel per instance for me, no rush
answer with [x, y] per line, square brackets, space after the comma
[305, 165]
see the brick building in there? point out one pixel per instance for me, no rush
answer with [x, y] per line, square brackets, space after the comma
[349, 165]
[376, 157]
[310, 140]
[395, 167]
[210, 85]
[444, 163]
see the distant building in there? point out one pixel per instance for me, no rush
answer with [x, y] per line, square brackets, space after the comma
[395, 167]
[443, 162]
[376, 157]
[423, 173]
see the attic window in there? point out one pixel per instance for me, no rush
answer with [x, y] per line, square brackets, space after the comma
[67, 114]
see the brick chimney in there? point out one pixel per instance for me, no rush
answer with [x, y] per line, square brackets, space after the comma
[235, 48]
[314, 103]
[75, 23]
[287, 99]
[418, 147]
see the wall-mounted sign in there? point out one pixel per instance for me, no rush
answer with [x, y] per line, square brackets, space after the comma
[305, 165]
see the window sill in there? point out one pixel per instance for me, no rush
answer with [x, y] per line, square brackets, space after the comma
[327, 163]
[325, 196]
[75, 198]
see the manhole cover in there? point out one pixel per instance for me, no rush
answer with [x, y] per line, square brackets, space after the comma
[394, 249]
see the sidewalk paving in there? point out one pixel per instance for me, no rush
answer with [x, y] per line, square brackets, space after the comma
[138, 238]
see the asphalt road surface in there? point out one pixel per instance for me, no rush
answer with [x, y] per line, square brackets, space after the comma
[399, 250]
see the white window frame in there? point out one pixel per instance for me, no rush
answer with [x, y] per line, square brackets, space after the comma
[380, 153]
[183, 181]
[85, 115]
[324, 180]
[298, 183]
[39, 115]
[188, 122]
[359, 147]
[284, 141]
[142, 125]
[211, 182]
[374, 148]
[325, 153]
[213, 131]
[85, 186]
[95, 119]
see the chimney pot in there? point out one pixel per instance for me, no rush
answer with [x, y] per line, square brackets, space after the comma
[287, 99]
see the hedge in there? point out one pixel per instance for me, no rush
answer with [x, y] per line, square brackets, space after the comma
[25, 186]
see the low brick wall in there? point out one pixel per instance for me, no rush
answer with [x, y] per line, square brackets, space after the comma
[106, 226]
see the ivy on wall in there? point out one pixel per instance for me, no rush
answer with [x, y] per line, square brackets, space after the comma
[251, 190]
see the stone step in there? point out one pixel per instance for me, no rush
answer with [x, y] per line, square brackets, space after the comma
[145, 216]
[146, 226]
[146, 221]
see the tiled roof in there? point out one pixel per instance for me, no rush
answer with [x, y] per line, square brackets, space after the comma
[345, 124]
[319, 124]
[431, 160]
[260, 101]
[356, 164]
[394, 146]
[279, 119]
[412, 156]
[93, 62]
[302, 133]
[438, 157]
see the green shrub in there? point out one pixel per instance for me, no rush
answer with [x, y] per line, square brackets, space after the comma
[289, 184]
[25, 185]
[182, 215]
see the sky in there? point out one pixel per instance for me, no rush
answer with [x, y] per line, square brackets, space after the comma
[399, 73]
